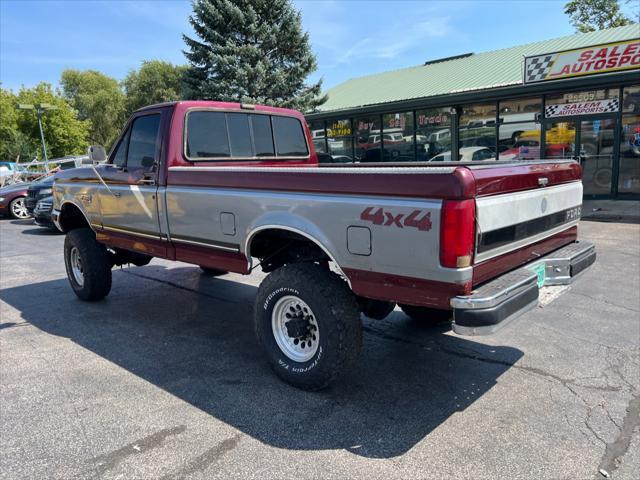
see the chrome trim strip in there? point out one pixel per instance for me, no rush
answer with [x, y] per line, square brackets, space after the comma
[131, 232]
[203, 244]
[313, 169]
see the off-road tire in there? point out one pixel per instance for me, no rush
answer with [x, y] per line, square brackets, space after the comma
[212, 272]
[336, 312]
[426, 315]
[96, 265]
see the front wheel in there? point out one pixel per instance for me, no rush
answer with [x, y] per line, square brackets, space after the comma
[18, 208]
[88, 265]
[308, 323]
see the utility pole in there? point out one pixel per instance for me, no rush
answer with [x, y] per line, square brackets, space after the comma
[40, 108]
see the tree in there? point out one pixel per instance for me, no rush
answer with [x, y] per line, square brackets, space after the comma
[252, 51]
[155, 82]
[14, 145]
[64, 133]
[591, 15]
[97, 98]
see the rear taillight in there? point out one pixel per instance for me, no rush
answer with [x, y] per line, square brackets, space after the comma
[457, 232]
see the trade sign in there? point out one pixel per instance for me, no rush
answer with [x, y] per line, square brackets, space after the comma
[606, 58]
[582, 108]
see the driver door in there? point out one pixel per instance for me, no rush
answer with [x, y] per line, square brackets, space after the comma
[129, 206]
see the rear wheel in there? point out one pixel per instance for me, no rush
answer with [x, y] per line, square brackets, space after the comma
[308, 323]
[426, 315]
[88, 265]
[18, 208]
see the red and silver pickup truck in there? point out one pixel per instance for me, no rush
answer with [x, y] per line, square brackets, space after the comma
[229, 186]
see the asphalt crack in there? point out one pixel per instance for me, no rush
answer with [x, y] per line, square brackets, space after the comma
[206, 459]
[108, 461]
[615, 450]
[480, 358]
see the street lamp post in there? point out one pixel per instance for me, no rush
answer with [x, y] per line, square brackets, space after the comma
[40, 108]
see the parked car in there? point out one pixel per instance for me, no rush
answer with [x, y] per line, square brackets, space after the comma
[12, 200]
[42, 213]
[38, 190]
[467, 154]
[442, 241]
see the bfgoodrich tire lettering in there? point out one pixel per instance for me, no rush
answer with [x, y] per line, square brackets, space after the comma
[88, 265]
[335, 313]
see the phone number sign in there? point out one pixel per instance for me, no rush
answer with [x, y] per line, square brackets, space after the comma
[606, 58]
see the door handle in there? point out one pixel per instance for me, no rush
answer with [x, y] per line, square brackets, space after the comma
[117, 194]
[147, 181]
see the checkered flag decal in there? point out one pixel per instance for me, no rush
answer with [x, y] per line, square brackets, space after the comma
[539, 67]
[551, 110]
[612, 106]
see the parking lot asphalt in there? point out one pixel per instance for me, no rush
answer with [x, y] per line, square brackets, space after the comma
[164, 379]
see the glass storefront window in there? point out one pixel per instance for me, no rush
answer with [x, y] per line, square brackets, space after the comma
[631, 99]
[477, 127]
[317, 135]
[433, 133]
[340, 140]
[520, 109]
[560, 139]
[584, 96]
[367, 135]
[629, 177]
[397, 137]
[519, 141]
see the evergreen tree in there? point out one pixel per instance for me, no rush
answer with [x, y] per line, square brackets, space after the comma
[252, 51]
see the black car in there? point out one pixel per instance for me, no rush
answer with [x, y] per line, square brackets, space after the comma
[37, 191]
[42, 213]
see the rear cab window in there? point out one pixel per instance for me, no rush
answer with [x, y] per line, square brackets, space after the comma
[215, 135]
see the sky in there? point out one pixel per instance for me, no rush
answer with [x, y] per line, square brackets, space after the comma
[40, 39]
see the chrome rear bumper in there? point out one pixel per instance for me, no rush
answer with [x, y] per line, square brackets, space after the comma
[497, 302]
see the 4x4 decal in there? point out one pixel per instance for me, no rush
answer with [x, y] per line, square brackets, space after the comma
[416, 219]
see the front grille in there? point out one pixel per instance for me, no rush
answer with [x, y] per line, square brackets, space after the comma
[513, 233]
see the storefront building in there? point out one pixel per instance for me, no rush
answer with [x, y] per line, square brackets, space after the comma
[574, 97]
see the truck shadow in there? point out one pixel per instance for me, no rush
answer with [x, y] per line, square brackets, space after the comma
[192, 336]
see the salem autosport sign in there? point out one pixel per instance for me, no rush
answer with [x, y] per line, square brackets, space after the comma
[612, 57]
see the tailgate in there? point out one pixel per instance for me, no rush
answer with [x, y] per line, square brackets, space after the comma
[519, 205]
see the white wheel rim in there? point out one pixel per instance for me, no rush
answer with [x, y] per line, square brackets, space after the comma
[298, 340]
[76, 266]
[19, 209]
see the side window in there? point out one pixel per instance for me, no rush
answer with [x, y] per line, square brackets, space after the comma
[239, 135]
[207, 135]
[262, 135]
[289, 136]
[119, 157]
[142, 142]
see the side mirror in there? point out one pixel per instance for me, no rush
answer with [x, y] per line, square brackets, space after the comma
[97, 154]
